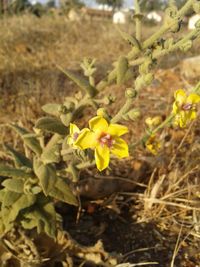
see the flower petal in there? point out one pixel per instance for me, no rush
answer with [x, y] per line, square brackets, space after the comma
[180, 96]
[73, 128]
[193, 99]
[86, 139]
[120, 148]
[117, 129]
[102, 157]
[192, 115]
[98, 123]
[175, 109]
[183, 119]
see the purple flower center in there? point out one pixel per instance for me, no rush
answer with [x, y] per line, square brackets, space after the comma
[75, 136]
[106, 139]
[187, 106]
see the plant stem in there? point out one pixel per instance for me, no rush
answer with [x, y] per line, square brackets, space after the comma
[135, 51]
[158, 54]
[124, 109]
[138, 21]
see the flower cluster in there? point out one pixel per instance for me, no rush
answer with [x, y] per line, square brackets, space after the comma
[103, 138]
[153, 144]
[184, 107]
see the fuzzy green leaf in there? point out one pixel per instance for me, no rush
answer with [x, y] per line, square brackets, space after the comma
[19, 158]
[12, 204]
[81, 82]
[13, 172]
[52, 125]
[51, 153]
[46, 174]
[10, 198]
[52, 109]
[29, 140]
[130, 39]
[2, 194]
[2, 228]
[29, 223]
[15, 185]
[62, 192]
[42, 216]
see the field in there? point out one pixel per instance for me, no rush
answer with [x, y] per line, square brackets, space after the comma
[144, 209]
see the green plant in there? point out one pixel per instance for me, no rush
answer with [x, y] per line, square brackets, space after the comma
[51, 164]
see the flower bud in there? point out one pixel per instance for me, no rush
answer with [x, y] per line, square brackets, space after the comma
[66, 118]
[186, 46]
[101, 112]
[133, 114]
[131, 93]
[62, 109]
[144, 68]
[168, 43]
[148, 78]
[153, 122]
[139, 82]
[37, 130]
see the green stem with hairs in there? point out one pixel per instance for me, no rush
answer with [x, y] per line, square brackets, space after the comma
[124, 109]
[174, 47]
[138, 21]
[135, 51]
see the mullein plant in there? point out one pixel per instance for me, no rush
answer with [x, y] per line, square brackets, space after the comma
[57, 149]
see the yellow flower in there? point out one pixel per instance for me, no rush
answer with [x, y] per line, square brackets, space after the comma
[103, 138]
[184, 107]
[153, 145]
[74, 132]
[153, 122]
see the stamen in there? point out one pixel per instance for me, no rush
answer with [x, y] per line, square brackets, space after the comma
[187, 106]
[75, 136]
[106, 139]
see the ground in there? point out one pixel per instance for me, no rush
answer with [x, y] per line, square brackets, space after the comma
[119, 207]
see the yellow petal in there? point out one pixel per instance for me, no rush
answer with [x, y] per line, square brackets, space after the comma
[180, 96]
[175, 109]
[183, 119]
[153, 145]
[98, 123]
[120, 148]
[117, 129]
[192, 115]
[86, 139]
[102, 157]
[73, 128]
[193, 99]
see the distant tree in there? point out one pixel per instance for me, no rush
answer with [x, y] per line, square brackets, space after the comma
[112, 3]
[71, 4]
[180, 3]
[38, 10]
[18, 6]
[50, 4]
[149, 5]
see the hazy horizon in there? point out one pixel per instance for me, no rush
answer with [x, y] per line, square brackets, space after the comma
[92, 3]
